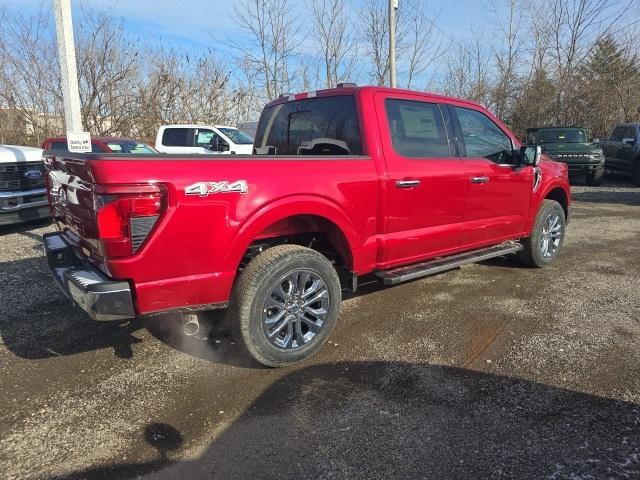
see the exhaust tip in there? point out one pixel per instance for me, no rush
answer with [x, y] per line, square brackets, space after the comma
[191, 324]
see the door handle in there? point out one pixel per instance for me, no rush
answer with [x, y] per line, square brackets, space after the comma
[479, 179]
[407, 183]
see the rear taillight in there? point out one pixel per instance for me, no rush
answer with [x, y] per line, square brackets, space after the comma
[125, 216]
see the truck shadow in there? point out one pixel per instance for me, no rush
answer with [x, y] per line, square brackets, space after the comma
[38, 322]
[405, 420]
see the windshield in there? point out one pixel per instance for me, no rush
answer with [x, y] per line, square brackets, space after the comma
[127, 146]
[562, 135]
[237, 136]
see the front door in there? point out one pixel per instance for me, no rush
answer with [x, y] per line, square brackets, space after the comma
[612, 147]
[426, 179]
[499, 191]
[626, 150]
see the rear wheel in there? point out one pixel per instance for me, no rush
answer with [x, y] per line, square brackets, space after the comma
[285, 304]
[547, 237]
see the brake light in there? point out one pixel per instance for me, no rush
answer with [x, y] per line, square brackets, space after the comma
[125, 216]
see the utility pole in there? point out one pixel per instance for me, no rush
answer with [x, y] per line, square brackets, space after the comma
[393, 8]
[77, 140]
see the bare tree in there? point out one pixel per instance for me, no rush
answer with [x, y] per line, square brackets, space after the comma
[107, 72]
[506, 53]
[375, 34]
[467, 73]
[576, 26]
[418, 45]
[273, 37]
[332, 34]
[29, 75]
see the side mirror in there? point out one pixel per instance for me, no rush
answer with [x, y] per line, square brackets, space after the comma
[218, 144]
[628, 141]
[530, 155]
[595, 140]
[223, 145]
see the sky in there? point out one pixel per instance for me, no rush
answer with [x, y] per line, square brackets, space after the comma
[193, 23]
[205, 25]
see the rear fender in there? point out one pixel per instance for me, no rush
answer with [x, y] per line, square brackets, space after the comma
[282, 209]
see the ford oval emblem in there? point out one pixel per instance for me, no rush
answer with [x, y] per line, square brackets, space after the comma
[33, 174]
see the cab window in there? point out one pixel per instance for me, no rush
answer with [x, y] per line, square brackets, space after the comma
[417, 129]
[176, 137]
[630, 132]
[313, 126]
[483, 138]
[617, 134]
[205, 137]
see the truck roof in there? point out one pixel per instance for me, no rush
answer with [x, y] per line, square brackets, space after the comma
[351, 89]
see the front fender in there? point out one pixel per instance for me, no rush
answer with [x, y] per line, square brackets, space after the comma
[555, 185]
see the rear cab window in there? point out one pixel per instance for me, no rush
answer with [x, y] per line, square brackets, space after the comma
[311, 126]
[177, 137]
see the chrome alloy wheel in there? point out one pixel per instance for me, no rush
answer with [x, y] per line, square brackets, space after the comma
[295, 309]
[551, 235]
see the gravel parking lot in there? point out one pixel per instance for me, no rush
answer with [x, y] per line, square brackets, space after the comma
[491, 371]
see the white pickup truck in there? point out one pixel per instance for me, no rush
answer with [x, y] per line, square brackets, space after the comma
[22, 185]
[205, 139]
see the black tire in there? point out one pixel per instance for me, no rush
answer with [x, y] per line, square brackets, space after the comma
[256, 300]
[533, 254]
[594, 179]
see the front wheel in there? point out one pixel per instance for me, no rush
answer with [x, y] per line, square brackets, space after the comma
[285, 304]
[547, 237]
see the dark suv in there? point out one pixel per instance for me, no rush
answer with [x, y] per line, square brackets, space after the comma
[622, 151]
[570, 145]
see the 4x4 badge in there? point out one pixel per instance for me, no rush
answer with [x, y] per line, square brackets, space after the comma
[206, 188]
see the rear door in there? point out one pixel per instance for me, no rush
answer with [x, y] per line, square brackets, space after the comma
[499, 191]
[426, 179]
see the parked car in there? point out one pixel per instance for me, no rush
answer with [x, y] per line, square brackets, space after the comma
[351, 181]
[572, 146]
[103, 145]
[204, 139]
[622, 151]
[22, 185]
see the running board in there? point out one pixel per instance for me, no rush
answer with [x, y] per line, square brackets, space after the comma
[442, 264]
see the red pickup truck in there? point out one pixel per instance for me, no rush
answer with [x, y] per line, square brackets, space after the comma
[343, 183]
